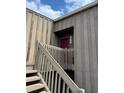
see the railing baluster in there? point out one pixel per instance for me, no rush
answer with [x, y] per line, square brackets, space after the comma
[49, 76]
[59, 84]
[45, 65]
[59, 56]
[56, 74]
[39, 61]
[42, 65]
[63, 87]
[47, 69]
[67, 90]
[54, 54]
[52, 80]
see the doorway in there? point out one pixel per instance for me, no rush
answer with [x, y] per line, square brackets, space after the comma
[65, 38]
[64, 42]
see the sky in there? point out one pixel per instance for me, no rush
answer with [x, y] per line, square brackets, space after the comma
[55, 8]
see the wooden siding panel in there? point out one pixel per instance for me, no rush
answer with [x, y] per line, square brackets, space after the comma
[80, 50]
[90, 47]
[39, 30]
[32, 47]
[59, 26]
[44, 31]
[36, 29]
[28, 26]
[85, 47]
[69, 24]
[78, 61]
[49, 32]
[96, 28]
[63, 25]
[93, 61]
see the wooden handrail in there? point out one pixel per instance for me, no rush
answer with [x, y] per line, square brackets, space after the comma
[48, 66]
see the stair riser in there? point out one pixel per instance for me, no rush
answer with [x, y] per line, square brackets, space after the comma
[31, 74]
[32, 82]
[37, 91]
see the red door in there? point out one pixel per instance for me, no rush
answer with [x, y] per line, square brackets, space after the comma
[64, 43]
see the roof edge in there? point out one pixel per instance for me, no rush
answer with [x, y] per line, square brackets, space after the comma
[77, 11]
[38, 14]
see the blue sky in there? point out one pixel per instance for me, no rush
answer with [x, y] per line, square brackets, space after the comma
[55, 8]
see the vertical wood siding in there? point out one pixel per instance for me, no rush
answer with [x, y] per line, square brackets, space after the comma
[38, 28]
[85, 26]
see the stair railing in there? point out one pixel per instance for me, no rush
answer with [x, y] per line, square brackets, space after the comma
[64, 57]
[52, 73]
[59, 54]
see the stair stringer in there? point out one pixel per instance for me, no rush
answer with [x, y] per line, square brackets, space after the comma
[42, 80]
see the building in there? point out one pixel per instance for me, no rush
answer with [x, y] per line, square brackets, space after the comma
[72, 40]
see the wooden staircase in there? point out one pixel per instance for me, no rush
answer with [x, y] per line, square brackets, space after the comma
[34, 83]
[48, 76]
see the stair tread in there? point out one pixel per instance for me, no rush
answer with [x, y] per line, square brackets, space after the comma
[33, 78]
[43, 92]
[31, 71]
[34, 87]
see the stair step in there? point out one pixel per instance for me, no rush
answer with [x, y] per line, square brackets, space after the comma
[31, 71]
[33, 78]
[34, 87]
[29, 68]
[43, 92]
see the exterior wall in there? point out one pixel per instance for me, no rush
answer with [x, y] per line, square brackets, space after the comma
[85, 26]
[38, 28]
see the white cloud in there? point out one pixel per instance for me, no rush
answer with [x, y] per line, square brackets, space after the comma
[75, 4]
[31, 5]
[44, 9]
[49, 12]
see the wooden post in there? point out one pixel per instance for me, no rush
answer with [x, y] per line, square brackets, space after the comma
[65, 57]
[82, 91]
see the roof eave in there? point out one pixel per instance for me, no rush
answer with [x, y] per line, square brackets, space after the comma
[38, 14]
[77, 11]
